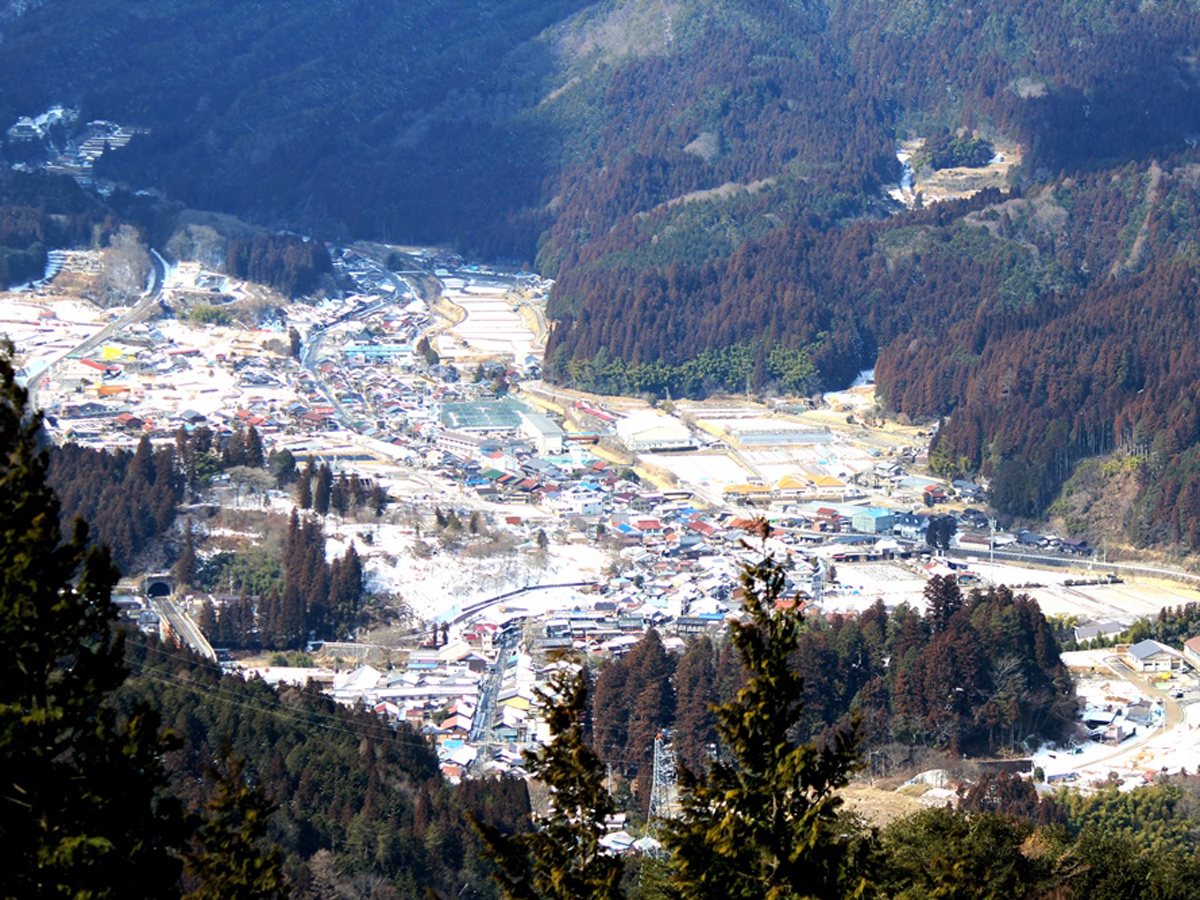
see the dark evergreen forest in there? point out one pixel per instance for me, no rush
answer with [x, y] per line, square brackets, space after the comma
[975, 673]
[362, 809]
[129, 499]
[38, 214]
[289, 263]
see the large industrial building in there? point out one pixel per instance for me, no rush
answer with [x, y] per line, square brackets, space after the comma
[484, 416]
[545, 434]
[646, 431]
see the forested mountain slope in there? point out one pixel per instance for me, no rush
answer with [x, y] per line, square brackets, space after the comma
[364, 118]
[486, 122]
[361, 806]
[707, 183]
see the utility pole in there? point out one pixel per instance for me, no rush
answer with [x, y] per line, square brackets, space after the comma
[992, 548]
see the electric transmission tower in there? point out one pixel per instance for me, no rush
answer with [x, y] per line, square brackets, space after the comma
[662, 792]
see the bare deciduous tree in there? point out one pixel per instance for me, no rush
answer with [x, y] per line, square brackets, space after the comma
[124, 266]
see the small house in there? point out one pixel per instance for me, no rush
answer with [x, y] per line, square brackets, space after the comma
[1151, 656]
[1191, 652]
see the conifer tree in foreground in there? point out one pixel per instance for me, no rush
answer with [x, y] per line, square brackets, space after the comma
[83, 806]
[231, 858]
[764, 821]
[562, 859]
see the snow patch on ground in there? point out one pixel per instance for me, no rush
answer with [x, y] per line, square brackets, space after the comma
[438, 588]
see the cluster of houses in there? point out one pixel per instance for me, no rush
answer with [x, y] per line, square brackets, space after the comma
[478, 693]
[472, 693]
[372, 381]
[1112, 719]
[132, 388]
[62, 151]
[152, 380]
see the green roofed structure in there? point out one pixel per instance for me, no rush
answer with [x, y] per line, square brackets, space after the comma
[484, 416]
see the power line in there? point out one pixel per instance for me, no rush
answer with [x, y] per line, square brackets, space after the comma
[309, 718]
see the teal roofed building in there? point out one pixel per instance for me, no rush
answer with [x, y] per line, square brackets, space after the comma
[388, 352]
[875, 520]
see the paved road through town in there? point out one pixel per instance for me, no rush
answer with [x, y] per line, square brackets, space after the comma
[149, 299]
[485, 712]
[316, 337]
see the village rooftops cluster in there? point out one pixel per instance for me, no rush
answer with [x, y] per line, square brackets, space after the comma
[53, 142]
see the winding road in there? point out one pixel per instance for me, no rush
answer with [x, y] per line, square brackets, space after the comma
[149, 298]
[311, 351]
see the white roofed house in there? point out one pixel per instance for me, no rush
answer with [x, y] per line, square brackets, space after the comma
[468, 445]
[547, 435]
[352, 687]
[437, 690]
[579, 501]
[648, 430]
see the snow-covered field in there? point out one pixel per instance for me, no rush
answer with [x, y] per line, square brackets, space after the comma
[859, 584]
[1142, 597]
[860, 397]
[704, 469]
[836, 458]
[492, 325]
[39, 337]
[440, 587]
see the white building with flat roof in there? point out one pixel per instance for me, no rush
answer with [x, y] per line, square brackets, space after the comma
[579, 502]
[545, 434]
[646, 431]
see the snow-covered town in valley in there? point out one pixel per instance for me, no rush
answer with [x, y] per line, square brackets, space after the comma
[518, 521]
